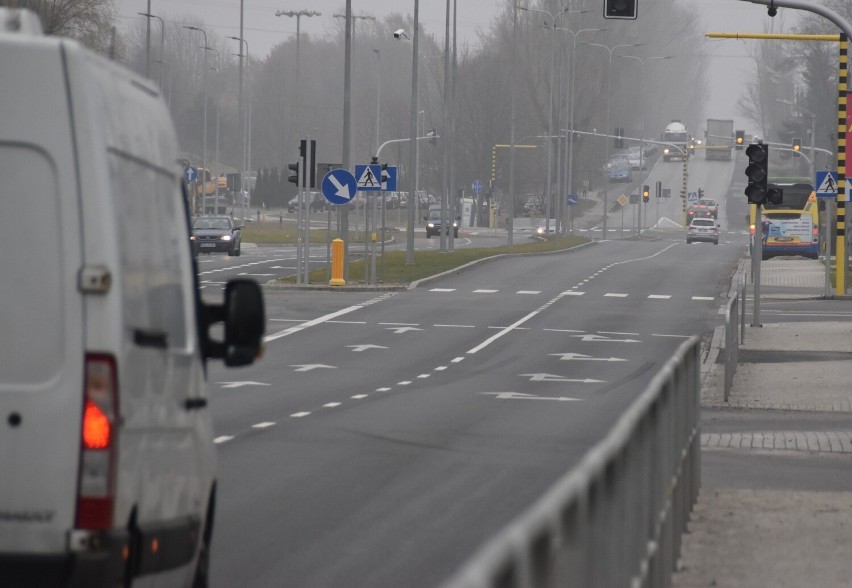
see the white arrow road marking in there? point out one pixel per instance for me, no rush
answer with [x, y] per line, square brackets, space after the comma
[398, 330]
[342, 189]
[359, 348]
[522, 396]
[241, 384]
[601, 338]
[557, 378]
[580, 356]
[306, 367]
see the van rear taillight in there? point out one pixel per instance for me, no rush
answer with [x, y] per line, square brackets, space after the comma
[97, 448]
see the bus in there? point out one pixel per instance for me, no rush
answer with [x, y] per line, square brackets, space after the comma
[792, 227]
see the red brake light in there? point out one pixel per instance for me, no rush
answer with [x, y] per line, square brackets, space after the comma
[96, 427]
[95, 496]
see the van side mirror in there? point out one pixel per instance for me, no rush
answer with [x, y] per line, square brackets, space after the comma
[244, 321]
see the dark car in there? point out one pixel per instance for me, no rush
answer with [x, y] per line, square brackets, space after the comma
[318, 203]
[215, 233]
[433, 224]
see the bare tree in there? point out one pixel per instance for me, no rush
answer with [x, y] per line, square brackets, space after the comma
[88, 21]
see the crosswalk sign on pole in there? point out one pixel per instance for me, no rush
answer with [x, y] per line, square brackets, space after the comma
[368, 177]
[826, 184]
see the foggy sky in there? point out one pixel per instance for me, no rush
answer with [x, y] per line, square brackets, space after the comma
[730, 65]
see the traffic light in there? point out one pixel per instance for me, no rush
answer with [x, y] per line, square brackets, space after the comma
[618, 141]
[308, 180]
[293, 173]
[739, 140]
[646, 193]
[775, 194]
[625, 9]
[700, 193]
[757, 172]
[659, 189]
[797, 144]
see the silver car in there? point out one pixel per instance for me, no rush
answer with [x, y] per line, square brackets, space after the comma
[703, 229]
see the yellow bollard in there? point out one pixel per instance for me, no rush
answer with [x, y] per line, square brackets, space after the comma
[337, 264]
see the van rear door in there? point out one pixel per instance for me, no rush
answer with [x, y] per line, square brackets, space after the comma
[41, 361]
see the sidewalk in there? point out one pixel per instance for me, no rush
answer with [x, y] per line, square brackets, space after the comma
[755, 537]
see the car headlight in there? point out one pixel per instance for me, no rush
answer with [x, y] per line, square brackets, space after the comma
[455, 224]
[431, 225]
[193, 238]
[226, 237]
[540, 230]
[666, 150]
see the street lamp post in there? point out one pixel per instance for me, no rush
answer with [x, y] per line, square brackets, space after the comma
[162, 44]
[574, 34]
[297, 14]
[243, 114]
[549, 188]
[412, 127]
[204, 124]
[611, 50]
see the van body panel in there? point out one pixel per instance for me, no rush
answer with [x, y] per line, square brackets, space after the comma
[43, 313]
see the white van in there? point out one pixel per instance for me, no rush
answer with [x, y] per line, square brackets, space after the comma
[107, 462]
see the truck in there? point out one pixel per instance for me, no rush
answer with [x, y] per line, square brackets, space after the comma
[677, 136]
[719, 139]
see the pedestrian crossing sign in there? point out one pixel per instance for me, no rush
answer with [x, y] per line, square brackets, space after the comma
[368, 177]
[826, 183]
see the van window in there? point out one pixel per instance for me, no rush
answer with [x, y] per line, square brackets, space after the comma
[150, 213]
[31, 266]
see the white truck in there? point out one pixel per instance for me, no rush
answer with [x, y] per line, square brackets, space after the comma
[677, 137]
[107, 459]
[719, 139]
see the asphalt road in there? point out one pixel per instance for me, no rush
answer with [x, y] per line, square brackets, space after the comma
[385, 436]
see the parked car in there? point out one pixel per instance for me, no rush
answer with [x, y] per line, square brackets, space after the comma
[216, 233]
[703, 229]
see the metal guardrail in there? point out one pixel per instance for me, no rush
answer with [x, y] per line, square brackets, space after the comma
[616, 519]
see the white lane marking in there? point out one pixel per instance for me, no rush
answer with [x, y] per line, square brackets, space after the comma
[383, 389]
[457, 326]
[703, 298]
[400, 324]
[581, 357]
[241, 384]
[615, 295]
[540, 377]
[311, 323]
[306, 367]
[508, 329]
[440, 368]
[348, 322]
[259, 275]
[659, 296]
[617, 333]
[457, 359]
[675, 336]
[485, 291]
[572, 293]
[365, 347]
[359, 396]
[400, 330]
[522, 396]
[223, 439]
[298, 415]
[442, 290]
[263, 425]
[564, 330]
[423, 376]
[528, 292]
[404, 383]
[332, 404]
[596, 338]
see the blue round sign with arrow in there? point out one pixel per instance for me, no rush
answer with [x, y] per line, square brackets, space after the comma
[339, 186]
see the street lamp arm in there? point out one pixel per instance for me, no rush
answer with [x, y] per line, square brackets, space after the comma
[405, 140]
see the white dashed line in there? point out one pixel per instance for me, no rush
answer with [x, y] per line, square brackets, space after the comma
[223, 439]
[457, 326]
[615, 295]
[298, 415]
[263, 425]
[383, 389]
[359, 396]
[332, 404]
[572, 293]
[528, 292]
[703, 298]
[485, 291]
[424, 376]
[440, 368]
[404, 383]
[658, 296]
[442, 290]
[457, 359]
